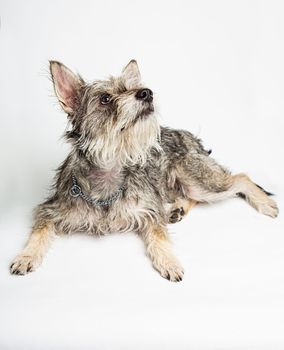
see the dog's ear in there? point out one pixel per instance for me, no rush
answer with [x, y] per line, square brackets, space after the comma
[131, 75]
[66, 85]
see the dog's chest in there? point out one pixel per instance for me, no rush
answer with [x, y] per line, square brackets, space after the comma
[134, 207]
[125, 214]
[129, 212]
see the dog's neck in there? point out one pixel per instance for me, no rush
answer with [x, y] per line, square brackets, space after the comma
[105, 181]
[100, 182]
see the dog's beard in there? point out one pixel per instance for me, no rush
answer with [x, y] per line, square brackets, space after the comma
[124, 144]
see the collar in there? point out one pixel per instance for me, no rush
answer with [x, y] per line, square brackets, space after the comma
[76, 191]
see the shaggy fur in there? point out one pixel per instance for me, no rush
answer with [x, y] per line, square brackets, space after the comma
[116, 140]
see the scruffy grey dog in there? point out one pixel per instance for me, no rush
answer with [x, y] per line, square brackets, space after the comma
[126, 173]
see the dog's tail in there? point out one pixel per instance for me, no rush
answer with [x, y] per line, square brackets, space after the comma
[242, 195]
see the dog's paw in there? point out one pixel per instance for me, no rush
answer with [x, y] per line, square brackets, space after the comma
[24, 264]
[176, 215]
[171, 270]
[268, 207]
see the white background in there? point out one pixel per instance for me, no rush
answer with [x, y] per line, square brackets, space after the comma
[217, 69]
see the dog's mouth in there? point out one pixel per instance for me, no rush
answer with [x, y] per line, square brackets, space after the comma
[148, 108]
[144, 113]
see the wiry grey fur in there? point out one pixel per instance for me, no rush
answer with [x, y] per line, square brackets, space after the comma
[121, 142]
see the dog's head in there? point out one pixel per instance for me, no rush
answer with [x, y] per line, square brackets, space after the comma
[113, 121]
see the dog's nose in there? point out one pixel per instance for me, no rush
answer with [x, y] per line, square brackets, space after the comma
[145, 95]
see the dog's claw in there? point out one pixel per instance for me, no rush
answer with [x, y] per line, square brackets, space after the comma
[23, 264]
[172, 271]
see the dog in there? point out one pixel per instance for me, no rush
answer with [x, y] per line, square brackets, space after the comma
[127, 173]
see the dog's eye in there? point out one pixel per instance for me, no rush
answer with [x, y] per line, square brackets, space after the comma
[105, 99]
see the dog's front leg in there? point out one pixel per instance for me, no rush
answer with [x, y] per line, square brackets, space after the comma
[31, 256]
[158, 249]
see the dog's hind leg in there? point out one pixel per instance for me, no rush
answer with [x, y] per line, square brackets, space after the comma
[232, 185]
[31, 256]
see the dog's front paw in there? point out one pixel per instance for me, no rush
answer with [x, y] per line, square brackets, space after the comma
[170, 269]
[24, 264]
[268, 207]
